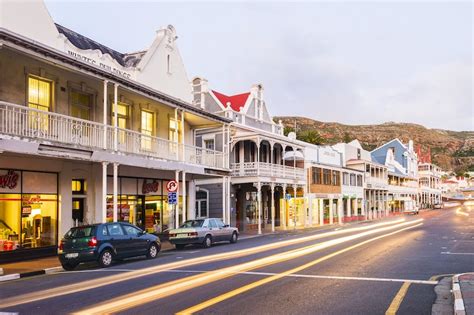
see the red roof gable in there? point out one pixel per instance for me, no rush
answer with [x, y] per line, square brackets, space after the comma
[236, 101]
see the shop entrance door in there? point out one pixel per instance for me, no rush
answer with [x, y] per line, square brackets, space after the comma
[201, 208]
[78, 211]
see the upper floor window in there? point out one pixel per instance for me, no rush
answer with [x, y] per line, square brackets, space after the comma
[345, 178]
[209, 144]
[316, 176]
[359, 180]
[168, 64]
[78, 186]
[326, 177]
[353, 180]
[39, 93]
[146, 128]
[174, 130]
[336, 178]
[122, 115]
[81, 104]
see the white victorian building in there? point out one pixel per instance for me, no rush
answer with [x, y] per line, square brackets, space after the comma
[89, 134]
[267, 184]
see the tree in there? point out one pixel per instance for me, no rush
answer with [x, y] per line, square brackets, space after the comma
[311, 136]
[347, 137]
[287, 130]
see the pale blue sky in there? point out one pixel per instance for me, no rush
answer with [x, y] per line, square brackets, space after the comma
[350, 62]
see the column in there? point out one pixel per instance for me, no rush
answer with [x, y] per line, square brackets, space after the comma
[104, 192]
[184, 196]
[348, 205]
[183, 148]
[191, 200]
[371, 205]
[224, 184]
[339, 211]
[331, 211]
[176, 206]
[271, 158]
[228, 201]
[115, 117]
[241, 157]
[258, 158]
[321, 211]
[115, 181]
[259, 207]
[310, 210]
[294, 205]
[105, 114]
[364, 205]
[176, 130]
[284, 214]
[387, 208]
[272, 187]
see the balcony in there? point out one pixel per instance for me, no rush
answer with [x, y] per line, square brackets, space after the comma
[375, 182]
[48, 127]
[267, 169]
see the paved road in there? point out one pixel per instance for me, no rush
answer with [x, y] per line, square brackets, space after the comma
[373, 268]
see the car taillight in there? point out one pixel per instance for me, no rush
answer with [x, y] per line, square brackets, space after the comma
[193, 234]
[61, 245]
[92, 242]
[172, 235]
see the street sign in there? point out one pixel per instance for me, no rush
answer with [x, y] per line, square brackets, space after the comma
[172, 199]
[172, 186]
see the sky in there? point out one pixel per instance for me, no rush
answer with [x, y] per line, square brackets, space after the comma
[349, 62]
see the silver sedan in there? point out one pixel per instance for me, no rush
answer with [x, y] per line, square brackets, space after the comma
[205, 231]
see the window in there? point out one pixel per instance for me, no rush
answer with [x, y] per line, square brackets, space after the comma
[174, 130]
[345, 177]
[81, 105]
[335, 178]
[78, 187]
[353, 179]
[316, 175]
[359, 180]
[122, 116]
[146, 129]
[131, 230]
[39, 97]
[219, 223]
[209, 144]
[326, 177]
[114, 229]
[39, 93]
[212, 223]
[168, 64]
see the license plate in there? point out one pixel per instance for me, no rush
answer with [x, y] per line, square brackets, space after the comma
[184, 235]
[72, 255]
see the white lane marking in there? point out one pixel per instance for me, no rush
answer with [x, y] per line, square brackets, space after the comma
[296, 275]
[449, 253]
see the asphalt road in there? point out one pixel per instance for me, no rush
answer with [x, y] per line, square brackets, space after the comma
[381, 267]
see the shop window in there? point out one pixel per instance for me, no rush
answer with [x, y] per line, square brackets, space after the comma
[78, 186]
[39, 97]
[38, 220]
[146, 129]
[81, 104]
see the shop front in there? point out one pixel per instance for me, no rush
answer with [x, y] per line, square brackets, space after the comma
[142, 202]
[28, 214]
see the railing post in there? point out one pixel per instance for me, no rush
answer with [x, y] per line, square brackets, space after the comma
[104, 120]
[115, 117]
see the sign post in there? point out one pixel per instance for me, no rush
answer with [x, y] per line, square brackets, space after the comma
[172, 187]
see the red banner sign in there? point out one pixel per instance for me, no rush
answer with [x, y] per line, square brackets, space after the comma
[150, 187]
[9, 180]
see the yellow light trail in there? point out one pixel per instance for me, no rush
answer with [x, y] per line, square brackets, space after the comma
[109, 280]
[460, 212]
[170, 288]
[255, 284]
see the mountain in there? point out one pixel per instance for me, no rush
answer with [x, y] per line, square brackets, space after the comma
[451, 150]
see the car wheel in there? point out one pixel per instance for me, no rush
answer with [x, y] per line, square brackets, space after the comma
[180, 246]
[106, 258]
[69, 266]
[153, 251]
[207, 241]
[233, 238]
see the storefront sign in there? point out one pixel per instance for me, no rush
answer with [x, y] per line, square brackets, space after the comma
[102, 65]
[150, 187]
[9, 180]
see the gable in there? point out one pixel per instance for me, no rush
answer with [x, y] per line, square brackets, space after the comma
[237, 102]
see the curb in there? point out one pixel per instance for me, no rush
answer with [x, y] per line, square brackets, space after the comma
[15, 276]
[458, 300]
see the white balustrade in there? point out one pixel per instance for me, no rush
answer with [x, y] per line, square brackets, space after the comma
[22, 121]
[267, 169]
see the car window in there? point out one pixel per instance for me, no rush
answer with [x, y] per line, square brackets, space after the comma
[192, 224]
[212, 223]
[79, 232]
[114, 229]
[131, 230]
[219, 223]
[102, 230]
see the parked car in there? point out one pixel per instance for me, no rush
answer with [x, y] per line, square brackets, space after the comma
[204, 231]
[104, 243]
[413, 210]
[438, 206]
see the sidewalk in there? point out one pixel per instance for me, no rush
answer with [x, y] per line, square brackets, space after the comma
[463, 291]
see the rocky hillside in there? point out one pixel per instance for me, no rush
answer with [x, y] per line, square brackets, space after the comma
[451, 150]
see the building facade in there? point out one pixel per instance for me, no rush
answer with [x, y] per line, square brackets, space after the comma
[429, 180]
[88, 134]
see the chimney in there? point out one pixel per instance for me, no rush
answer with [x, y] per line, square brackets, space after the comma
[200, 88]
[257, 92]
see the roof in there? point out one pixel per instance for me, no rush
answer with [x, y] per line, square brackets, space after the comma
[18, 40]
[236, 101]
[378, 159]
[85, 43]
